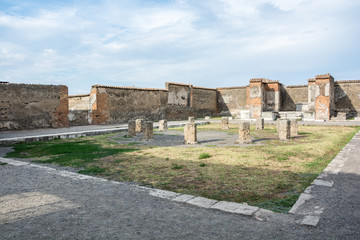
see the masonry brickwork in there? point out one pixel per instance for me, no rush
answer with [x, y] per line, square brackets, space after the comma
[27, 106]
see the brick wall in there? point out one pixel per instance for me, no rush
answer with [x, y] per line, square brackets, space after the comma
[27, 106]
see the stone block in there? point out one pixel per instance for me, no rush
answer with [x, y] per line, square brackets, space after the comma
[293, 128]
[131, 128]
[259, 124]
[148, 131]
[225, 123]
[191, 119]
[139, 125]
[190, 135]
[244, 133]
[207, 117]
[202, 202]
[163, 125]
[284, 130]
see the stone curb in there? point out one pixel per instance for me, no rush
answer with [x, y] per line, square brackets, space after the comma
[46, 137]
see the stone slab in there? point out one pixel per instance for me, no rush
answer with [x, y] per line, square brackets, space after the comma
[310, 221]
[202, 202]
[183, 198]
[322, 183]
[164, 194]
[237, 208]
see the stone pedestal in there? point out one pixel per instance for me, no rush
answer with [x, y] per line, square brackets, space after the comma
[139, 125]
[148, 131]
[244, 133]
[163, 125]
[284, 130]
[131, 128]
[259, 124]
[191, 120]
[225, 123]
[293, 128]
[190, 133]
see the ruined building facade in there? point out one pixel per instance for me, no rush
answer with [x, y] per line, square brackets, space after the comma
[24, 106]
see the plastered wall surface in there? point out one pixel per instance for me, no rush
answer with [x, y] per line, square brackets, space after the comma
[347, 97]
[232, 100]
[291, 95]
[203, 100]
[79, 107]
[24, 106]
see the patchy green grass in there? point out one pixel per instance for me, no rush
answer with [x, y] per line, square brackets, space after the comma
[271, 175]
[3, 164]
[204, 155]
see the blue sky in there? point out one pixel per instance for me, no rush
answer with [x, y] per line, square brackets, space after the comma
[209, 43]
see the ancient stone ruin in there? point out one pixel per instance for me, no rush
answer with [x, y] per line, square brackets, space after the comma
[163, 125]
[139, 125]
[244, 133]
[284, 130]
[190, 134]
[26, 106]
[293, 128]
[131, 128]
[148, 130]
[225, 123]
[259, 124]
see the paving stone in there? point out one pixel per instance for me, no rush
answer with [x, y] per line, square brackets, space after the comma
[183, 198]
[202, 202]
[164, 194]
[323, 183]
[310, 221]
[238, 208]
[302, 199]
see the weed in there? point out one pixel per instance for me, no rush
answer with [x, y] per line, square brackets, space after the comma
[3, 164]
[204, 155]
[202, 164]
[176, 166]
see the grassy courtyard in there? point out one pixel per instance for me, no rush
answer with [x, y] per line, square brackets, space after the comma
[270, 175]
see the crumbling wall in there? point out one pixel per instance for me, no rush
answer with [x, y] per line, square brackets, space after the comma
[179, 94]
[27, 106]
[120, 104]
[79, 109]
[292, 95]
[347, 97]
[203, 101]
[231, 100]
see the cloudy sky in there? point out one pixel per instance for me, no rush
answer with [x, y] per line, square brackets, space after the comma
[145, 43]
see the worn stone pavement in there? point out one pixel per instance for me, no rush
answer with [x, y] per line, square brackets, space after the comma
[38, 202]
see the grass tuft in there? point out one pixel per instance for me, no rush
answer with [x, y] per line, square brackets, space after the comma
[204, 155]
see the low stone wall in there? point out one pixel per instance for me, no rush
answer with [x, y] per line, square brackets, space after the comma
[27, 106]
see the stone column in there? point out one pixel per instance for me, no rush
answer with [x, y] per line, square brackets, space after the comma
[163, 125]
[259, 124]
[131, 128]
[190, 133]
[324, 101]
[148, 131]
[244, 133]
[284, 130]
[293, 128]
[191, 119]
[225, 123]
[255, 97]
[139, 125]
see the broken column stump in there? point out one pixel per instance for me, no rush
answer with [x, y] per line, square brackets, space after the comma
[190, 133]
[284, 130]
[293, 128]
[139, 125]
[131, 128]
[148, 131]
[191, 119]
[225, 123]
[163, 125]
[244, 133]
[259, 124]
